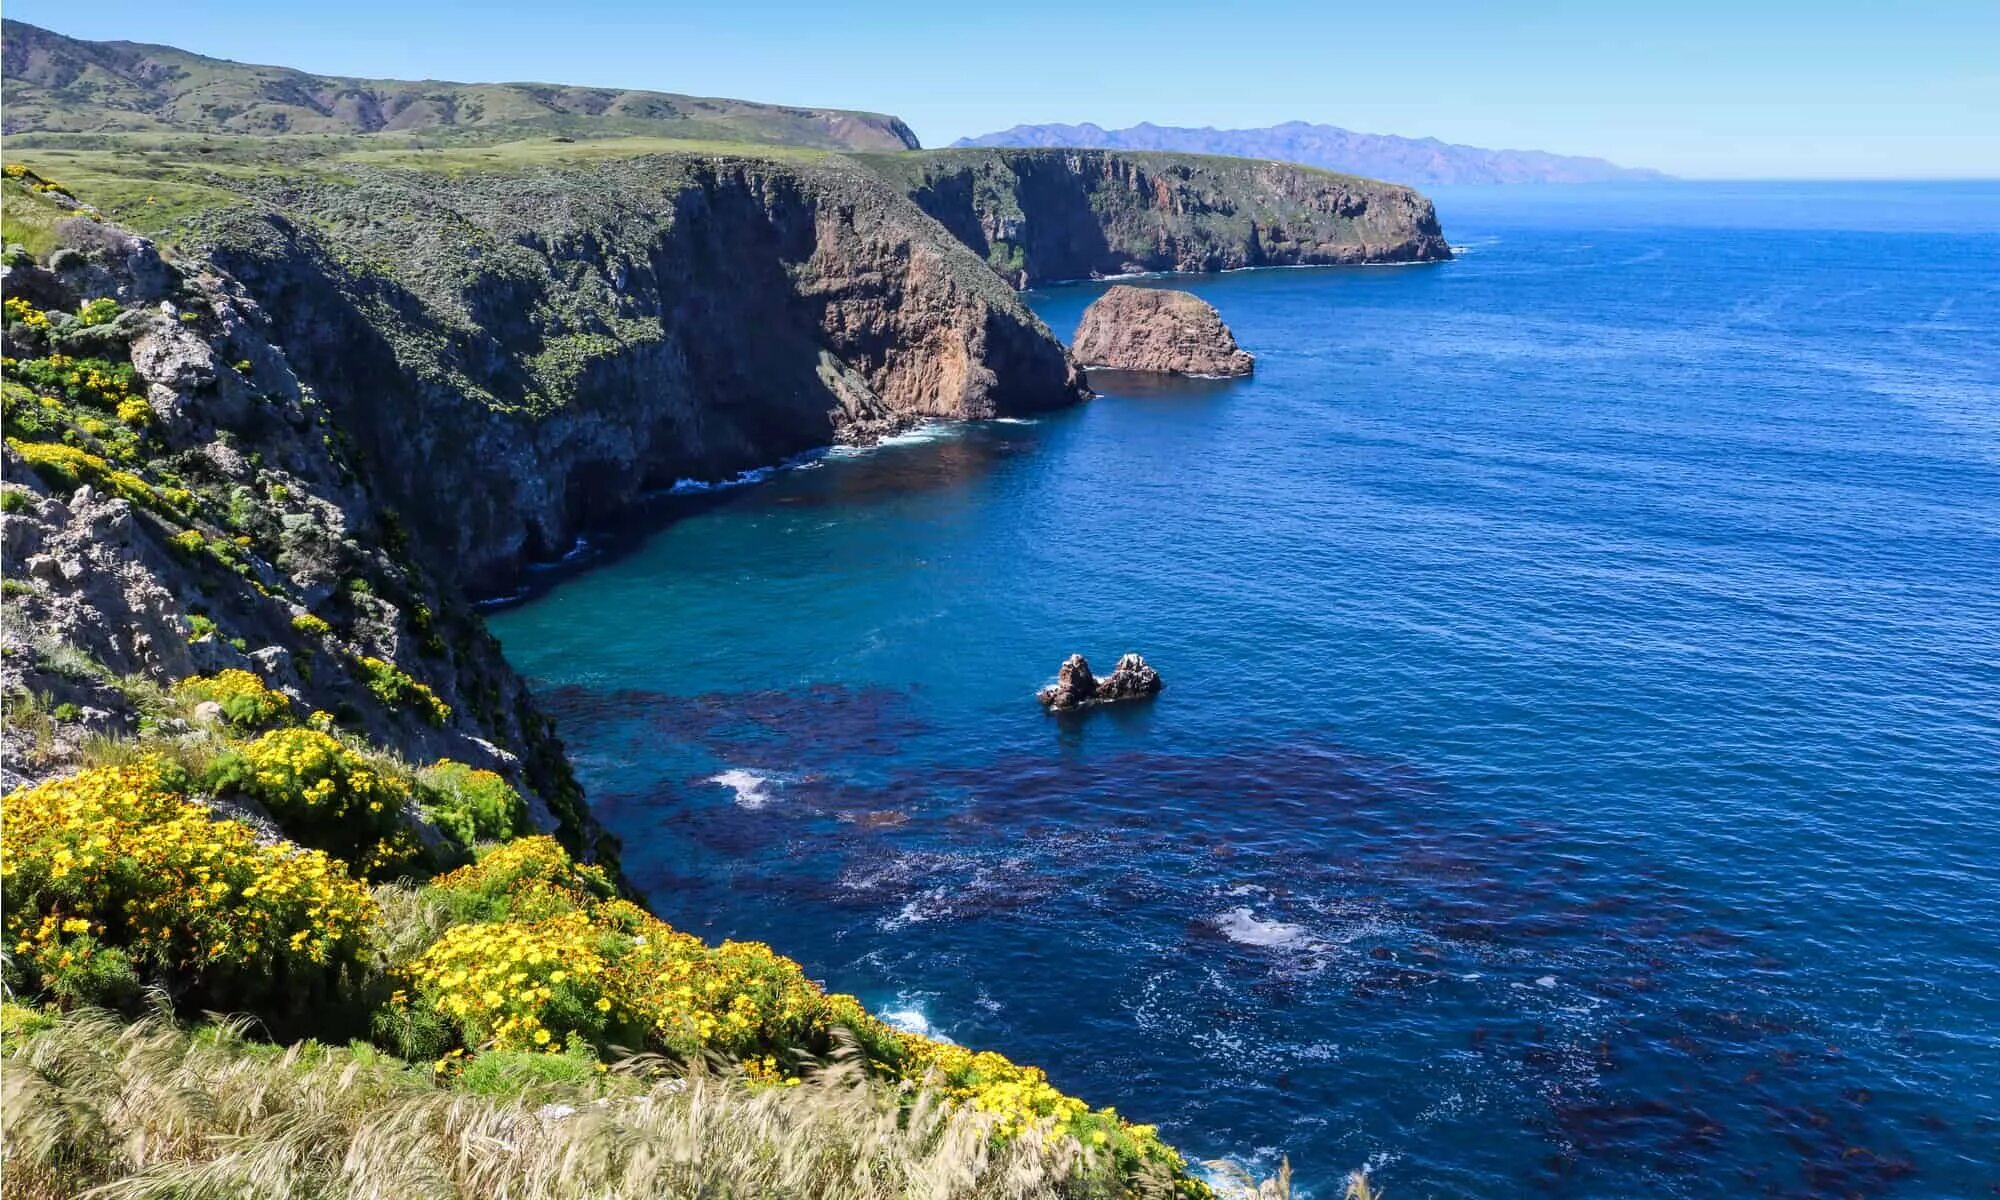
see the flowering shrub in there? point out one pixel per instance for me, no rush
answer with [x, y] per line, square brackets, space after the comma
[512, 985]
[113, 875]
[66, 467]
[96, 382]
[101, 311]
[29, 179]
[19, 311]
[471, 805]
[311, 625]
[325, 795]
[243, 697]
[394, 687]
[527, 878]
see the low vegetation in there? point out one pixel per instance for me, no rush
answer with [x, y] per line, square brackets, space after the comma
[519, 972]
[152, 1108]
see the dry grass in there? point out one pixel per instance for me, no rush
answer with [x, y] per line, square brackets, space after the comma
[98, 1107]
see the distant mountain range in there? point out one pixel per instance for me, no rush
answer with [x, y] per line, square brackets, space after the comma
[1416, 161]
[66, 84]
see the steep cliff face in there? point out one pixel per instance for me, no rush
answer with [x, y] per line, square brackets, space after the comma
[1042, 215]
[521, 353]
[177, 502]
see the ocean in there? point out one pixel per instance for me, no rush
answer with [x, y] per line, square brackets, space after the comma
[1579, 767]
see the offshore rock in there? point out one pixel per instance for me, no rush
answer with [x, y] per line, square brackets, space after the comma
[1076, 687]
[1157, 329]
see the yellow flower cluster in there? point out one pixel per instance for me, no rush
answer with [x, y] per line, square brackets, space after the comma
[101, 311]
[654, 982]
[22, 175]
[323, 794]
[243, 697]
[511, 985]
[118, 861]
[69, 467]
[557, 958]
[20, 311]
[394, 687]
[311, 625]
[531, 877]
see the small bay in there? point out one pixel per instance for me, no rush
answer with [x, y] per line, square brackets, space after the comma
[1579, 767]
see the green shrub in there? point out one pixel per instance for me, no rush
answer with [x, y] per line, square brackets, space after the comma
[101, 311]
[243, 697]
[395, 687]
[471, 805]
[325, 795]
[17, 500]
[311, 625]
[529, 1078]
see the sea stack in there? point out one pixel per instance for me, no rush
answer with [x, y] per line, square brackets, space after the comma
[1159, 330]
[1076, 687]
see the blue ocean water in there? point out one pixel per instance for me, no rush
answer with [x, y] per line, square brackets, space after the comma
[1579, 768]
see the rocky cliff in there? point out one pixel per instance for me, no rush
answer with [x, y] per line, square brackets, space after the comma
[1159, 330]
[342, 406]
[1042, 215]
[178, 502]
[518, 354]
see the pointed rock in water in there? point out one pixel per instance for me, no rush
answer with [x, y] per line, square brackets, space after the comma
[1131, 679]
[1075, 686]
[1156, 329]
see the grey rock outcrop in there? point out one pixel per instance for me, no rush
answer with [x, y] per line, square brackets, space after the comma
[1075, 685]
[1159, 330]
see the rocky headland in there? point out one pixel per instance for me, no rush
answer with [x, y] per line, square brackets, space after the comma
[1159, 330]
[1040, 216]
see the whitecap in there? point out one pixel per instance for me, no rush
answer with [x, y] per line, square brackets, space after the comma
[689, 487]
[1243, 927]
[752, 790]
[907, 1017]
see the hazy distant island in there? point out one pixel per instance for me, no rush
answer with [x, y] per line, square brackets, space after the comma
[1375, 155]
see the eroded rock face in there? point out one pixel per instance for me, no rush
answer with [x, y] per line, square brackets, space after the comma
[1076, 686]
[1042, 215]
[1156, 329]
[539, 352]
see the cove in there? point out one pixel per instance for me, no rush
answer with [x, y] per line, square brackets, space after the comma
[1578, 762]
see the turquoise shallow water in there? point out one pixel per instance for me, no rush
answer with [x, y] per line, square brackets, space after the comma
[1580, 762]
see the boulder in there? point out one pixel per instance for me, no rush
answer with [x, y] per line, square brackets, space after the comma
[1076, 687]
[1159, 330]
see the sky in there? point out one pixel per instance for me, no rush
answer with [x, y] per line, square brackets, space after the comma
[1703, 89]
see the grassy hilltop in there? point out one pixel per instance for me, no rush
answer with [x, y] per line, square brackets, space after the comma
[57, 83]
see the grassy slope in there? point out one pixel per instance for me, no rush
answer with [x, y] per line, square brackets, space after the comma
[56, 83]
[151, 182]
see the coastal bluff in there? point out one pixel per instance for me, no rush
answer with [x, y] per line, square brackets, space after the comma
[1043, 216]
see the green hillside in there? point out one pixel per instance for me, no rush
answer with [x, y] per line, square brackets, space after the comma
[67, 85]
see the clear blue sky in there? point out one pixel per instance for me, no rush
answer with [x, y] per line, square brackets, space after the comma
[1741, 89]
